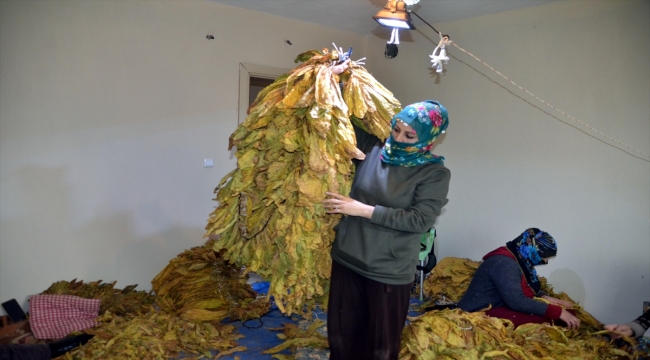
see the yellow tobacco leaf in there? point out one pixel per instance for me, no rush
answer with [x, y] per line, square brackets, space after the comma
[311, 187]
[204, 315]
[209, 303]
[291, 140]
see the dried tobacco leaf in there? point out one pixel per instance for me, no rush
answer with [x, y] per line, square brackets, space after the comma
[296, 336]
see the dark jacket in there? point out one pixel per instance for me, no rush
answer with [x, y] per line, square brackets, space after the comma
[641, 324]
[498, 281]
[407, 201]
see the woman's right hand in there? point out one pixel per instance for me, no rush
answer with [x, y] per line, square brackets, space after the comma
[339, 204]
[571, 321]
[556, 301]
[619, 330]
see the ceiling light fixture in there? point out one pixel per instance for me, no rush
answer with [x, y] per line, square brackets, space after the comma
[396, 15]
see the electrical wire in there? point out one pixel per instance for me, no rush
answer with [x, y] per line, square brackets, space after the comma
[546, 103]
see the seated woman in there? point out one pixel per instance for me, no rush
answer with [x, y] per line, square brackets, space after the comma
[507, 280]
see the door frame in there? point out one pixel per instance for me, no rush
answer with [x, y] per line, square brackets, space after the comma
[246, 71]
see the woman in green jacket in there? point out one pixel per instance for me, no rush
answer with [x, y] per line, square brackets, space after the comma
[397, 193]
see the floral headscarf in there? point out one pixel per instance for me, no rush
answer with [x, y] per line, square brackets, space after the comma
[532, 248]
[428, 119]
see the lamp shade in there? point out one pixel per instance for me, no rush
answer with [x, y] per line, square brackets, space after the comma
[395, 15]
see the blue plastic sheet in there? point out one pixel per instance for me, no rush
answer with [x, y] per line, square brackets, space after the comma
[261, 334]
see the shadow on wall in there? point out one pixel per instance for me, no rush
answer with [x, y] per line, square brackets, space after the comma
[132, 259]
[568, 281]
[42, 243]
[28, 223]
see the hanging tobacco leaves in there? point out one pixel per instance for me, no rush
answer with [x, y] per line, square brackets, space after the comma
[296, 143]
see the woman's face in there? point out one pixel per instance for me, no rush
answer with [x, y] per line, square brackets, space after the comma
[404, 133]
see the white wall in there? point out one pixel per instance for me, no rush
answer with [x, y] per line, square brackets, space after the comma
[516, 163]
[108, 109]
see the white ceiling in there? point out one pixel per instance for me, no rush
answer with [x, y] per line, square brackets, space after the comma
[356, 15]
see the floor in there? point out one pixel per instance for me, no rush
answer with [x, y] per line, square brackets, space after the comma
[260, 336]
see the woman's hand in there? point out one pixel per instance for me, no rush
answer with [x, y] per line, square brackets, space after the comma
[559, 302]
[339, 204]
[619, 330]
[571, 321]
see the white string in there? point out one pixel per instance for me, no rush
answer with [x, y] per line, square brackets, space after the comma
[555, 108]
[336, 48]
[394, 37]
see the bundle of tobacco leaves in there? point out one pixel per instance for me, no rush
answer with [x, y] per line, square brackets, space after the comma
[296, 143]
[156, 335]
[119, 302]
[200, 285]
[455, 334]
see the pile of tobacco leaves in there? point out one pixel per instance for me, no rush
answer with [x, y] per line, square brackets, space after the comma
[200, 285]
[455, 334]
[119, 302]
[194, 294]
[459, 335]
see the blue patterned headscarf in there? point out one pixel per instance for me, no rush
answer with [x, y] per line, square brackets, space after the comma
[533, 247]
[428, 119]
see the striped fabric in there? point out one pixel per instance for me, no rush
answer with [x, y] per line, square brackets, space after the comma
[56, 316]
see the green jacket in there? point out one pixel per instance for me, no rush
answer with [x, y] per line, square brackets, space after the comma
[407, 201]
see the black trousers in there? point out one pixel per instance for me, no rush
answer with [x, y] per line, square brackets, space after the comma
[365, 318]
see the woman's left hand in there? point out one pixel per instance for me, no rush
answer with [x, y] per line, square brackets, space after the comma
[619, 330]
[339, 204]
[555, 301]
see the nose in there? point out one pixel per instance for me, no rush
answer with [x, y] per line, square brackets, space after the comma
[400, 137]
